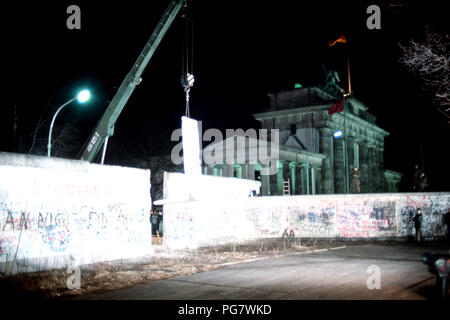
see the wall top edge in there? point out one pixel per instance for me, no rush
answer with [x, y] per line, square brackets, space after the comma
[35, 161]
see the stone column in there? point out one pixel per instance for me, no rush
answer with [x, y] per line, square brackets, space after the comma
[229, 170]
[357, 143]
[279, 189]
[307, 175]
[319, 184]
[380, 171]
[372, 180]
[326, 148]
[351, 161]
[292, 167]
[376, 171]
[265, 183]
[250, 171]
[339, 166]
[244, 168]
[364, 166]
[302, 180]
[313, 180]
[351, 154]
[210, 169]
[273, 185]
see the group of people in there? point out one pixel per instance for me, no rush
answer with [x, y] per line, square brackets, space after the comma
[418, 221]
[156, 220]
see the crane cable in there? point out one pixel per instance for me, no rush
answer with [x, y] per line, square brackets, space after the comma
[187, 61]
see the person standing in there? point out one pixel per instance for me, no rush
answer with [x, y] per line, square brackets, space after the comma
[447, 222]
[154, 222]
[160, 224]
[150, 219]
[418, 218]
[356, 174]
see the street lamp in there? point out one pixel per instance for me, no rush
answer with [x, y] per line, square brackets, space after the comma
[81, 97]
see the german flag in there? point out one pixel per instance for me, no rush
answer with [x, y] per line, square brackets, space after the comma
[341, 39]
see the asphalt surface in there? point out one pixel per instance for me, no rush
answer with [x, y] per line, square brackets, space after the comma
[340, 274]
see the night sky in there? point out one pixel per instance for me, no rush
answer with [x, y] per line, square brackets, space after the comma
[242, 50]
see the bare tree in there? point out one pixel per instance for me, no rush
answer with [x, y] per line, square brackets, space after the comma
[429, 59]
[66, 142]
[66, 139]
[157, 166]
[38, 136]
[35, 139]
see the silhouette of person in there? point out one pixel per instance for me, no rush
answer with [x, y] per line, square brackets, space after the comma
[447, 222]
[418, 218]
[356, 174]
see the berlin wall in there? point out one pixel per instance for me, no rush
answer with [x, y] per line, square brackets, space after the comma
[55, 212]
[198, 223]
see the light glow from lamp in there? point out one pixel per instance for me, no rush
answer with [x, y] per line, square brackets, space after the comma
[83, 96]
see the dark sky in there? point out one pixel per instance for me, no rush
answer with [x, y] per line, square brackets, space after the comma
[242, 50]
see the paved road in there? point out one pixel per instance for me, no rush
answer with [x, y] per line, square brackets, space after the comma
[335, 274]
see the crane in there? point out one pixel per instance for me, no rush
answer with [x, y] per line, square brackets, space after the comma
[105, 127]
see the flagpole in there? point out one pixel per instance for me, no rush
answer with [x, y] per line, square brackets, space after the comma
[343, 39]
[345, 124]
[348, 75]
[346, 149]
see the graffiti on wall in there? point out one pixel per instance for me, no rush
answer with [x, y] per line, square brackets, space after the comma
[318, 216]
[325, 218]
[181, 221]
[433, 208]
[365, 219]
[312, 220]
[56, 228]
[48, 213]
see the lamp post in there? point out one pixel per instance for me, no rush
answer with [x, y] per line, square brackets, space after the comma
[81, 97]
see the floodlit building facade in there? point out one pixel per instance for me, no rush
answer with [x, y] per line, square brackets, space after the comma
[312, 156]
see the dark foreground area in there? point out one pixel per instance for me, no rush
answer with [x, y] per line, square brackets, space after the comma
[327, 270]
[358, 271]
